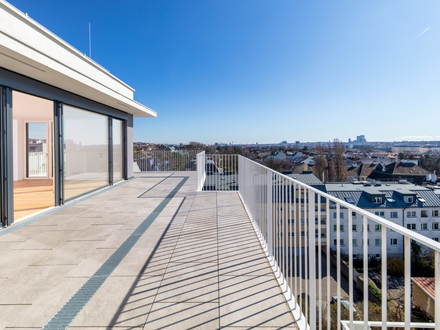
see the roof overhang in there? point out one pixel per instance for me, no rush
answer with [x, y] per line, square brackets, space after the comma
[29, 49]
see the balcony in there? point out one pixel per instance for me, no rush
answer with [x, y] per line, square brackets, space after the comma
[147, 253]
[153, 252]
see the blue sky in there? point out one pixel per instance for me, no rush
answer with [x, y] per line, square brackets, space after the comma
[265, 71]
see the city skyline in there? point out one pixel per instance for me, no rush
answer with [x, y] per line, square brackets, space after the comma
[254, 71]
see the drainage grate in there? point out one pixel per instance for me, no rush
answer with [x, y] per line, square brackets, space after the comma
[76, 303]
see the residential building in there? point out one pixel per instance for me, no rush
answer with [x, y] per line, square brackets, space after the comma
[413, 207]
[423, 294]
[67, 122]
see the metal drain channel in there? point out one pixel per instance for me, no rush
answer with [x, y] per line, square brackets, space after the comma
[67, 313]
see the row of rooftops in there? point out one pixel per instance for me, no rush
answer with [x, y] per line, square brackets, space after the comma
[365, 194]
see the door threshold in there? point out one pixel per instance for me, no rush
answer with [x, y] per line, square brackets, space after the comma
[34, 214]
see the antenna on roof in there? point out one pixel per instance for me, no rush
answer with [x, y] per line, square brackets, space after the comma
[90, 41]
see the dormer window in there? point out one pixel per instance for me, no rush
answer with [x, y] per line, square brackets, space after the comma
[409, 199]
[377, 200]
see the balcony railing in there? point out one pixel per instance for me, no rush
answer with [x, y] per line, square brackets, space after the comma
[302, 262]
[164, 160]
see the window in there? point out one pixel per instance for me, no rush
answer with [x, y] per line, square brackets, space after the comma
[341, 242]
[302, 208]
[380, 214]
[349, 200]
[118, 157]
[436, 239]
[353, 227]
[377, 200]
[302, 221]
[435, 213]
[368, 227]
[354, 242]
[394, 215]
[394, 241]
[411, 214]
[86, 162]
[435, 226]
[424, 214]
[409, 199]
[378, 241]
[341, 215]
[424, 226]
[353, 215]
[368, 242]
[377, 227]
[411, 226]
[302, 233]
[334, 242]
[316, 208]
[341, 227]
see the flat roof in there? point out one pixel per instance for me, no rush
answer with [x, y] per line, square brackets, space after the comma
[28, 48]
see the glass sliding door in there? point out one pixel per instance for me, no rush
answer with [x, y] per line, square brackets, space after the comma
[118, 157]
[36, 150]
[86, 160]
[32, 139]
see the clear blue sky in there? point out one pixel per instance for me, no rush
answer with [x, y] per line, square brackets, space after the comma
[265, 71]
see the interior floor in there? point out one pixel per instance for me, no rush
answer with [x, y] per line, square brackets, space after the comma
[31, 196]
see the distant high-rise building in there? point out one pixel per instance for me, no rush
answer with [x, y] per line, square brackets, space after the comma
[361, 138]
[349, 140]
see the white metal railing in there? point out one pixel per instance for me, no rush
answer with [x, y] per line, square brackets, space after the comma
[37, 164]
[274, 203]
[164, 160]
[201, 175]
[221, 172]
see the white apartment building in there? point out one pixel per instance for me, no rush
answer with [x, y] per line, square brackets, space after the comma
[414, 207]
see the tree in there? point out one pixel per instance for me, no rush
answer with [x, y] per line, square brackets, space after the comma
[319, 168]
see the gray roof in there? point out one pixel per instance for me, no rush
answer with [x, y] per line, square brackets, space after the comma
[307, 178]
[360, 195]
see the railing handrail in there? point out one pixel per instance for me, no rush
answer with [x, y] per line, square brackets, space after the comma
[387, 223]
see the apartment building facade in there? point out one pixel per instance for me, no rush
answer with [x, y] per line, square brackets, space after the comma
[414, 207]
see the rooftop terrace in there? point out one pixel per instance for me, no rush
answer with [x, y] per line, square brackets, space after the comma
[149, 253]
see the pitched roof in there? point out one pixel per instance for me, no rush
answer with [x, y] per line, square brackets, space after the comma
[360, 195]
[307, 178]
[399, 168]
[427, 284]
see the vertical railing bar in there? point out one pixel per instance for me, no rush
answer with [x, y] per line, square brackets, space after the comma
[319, 264]
[327, 249]
[338, 263]
[291, 238]
[437, 288]
[365, 247]
[312, 259]
[306, 254]
[350, 265]
[384, 277]
[295, 241]
[300, 248]
[283, 253]
[407, 283]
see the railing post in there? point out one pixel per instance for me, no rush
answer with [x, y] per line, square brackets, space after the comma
[312, 263]
[437, 290]
[269, 214]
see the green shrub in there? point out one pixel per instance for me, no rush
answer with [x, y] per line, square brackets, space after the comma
[396, 267]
